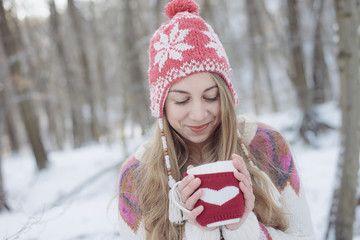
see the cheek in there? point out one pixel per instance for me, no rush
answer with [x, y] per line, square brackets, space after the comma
[174, 113]
[217, 110]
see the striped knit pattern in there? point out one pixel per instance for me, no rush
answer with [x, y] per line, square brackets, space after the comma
[270, 144]
[128, 202]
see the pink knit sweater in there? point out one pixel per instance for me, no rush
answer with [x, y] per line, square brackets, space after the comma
[265, 141]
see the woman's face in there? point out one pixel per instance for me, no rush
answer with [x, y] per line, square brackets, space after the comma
[193, 107]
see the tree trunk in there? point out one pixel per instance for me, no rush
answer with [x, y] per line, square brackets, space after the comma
[36, 69]
[78, 128]
[257, 37]
[348, 63]
[9, 120]
[90, 92]
[99, 47]
[320, 70]
[139, 99]
[298, 77]
[159, 17]
[3, 204]
[28, 115]
[310, 124]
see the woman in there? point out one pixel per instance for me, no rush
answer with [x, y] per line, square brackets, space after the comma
[193, 98]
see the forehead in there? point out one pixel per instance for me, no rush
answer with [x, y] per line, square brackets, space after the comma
[196, 81]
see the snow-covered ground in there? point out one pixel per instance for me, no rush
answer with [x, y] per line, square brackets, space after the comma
[65, 202]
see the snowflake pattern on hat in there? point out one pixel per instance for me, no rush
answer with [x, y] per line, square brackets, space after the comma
[215, 43]
[171, 46]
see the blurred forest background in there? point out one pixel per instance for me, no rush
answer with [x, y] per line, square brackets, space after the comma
[77, 75]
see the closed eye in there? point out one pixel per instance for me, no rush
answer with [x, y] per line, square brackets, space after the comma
[181, 102]
[212, 99]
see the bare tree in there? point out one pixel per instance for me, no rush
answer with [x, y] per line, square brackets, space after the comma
[74, 94]
[85, 67]
[254, 38]
[320, 70]
[310, 125]
[38, 69]
[260, 66]
[297, 57]
[22, 85]
[158, 12]
[137, 97]
[9, 120]
[3, 204]
[348, 64]
[101, 71]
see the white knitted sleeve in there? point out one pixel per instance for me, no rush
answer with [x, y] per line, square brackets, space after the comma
[194, 232]
[127, 233]
[249, 230]
[300, 225]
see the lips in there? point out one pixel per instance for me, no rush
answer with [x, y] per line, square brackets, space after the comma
[198, 129]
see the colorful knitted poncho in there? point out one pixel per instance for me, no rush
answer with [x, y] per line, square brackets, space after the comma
[263, 140]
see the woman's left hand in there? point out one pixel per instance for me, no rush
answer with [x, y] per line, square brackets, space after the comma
[245, 184]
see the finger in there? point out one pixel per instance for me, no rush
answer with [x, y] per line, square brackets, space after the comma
[186, 180]
[240, 165]
[248, 197]
[197, 211]
[189, 189]
[242, 178]
[190, 167]
[194, 214]
[193, 199]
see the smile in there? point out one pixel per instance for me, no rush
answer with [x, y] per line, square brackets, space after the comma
[198, 129]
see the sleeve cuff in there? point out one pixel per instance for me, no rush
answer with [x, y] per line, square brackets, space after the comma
[250, 229]
[198, 233]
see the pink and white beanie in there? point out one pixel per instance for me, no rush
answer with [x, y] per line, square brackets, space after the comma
[182, 46]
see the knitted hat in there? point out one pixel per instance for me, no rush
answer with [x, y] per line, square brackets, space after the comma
[182, 46]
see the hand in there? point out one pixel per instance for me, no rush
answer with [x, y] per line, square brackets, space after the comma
[189, 196]
[245, 185]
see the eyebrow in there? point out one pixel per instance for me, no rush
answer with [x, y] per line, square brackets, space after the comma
[185, 92]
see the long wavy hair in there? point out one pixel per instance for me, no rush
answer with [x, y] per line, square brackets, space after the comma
[153, 188]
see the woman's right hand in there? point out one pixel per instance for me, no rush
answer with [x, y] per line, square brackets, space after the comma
[189, 197]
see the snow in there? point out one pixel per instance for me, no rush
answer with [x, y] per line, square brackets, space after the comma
[64, 202]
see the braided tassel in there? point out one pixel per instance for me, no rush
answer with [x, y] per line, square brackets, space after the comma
[175, 214]
[166, 154]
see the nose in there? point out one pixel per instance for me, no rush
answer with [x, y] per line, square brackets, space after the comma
[198, 111]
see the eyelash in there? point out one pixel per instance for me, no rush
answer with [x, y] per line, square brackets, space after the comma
[212, 99]
[207, 99]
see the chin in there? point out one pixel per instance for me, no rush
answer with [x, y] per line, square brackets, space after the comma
[198, 140]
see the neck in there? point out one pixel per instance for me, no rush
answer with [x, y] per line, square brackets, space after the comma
[196, 150]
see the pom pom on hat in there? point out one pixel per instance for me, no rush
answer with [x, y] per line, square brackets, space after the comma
[177, 6]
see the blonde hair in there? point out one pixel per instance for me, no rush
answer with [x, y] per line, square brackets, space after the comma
[153, 188]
